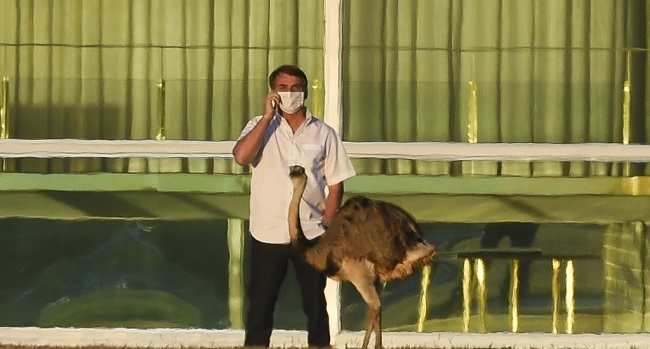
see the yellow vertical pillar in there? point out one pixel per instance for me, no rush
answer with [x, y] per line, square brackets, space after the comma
[481, 290]
[627, 114]
[472, 107]
[156, 165]
[424, 299]
[472, 117]
[627, 101]
[4, 115]
[4, 112]
[318, 99]
[161, 110]
[555, 292]
[472, 125]
[569, 298]
[467, 296]
[514, 295]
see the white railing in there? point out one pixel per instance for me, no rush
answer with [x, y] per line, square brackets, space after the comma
[442, 151]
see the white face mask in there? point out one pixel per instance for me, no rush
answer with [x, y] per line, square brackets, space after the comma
[291, 101]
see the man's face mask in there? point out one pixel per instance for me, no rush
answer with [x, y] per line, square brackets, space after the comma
[291, 102]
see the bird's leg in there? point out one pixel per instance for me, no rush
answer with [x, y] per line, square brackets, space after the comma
[377, 316]
[373, 324]
[377, 323]
[367, 288]
[369, 328]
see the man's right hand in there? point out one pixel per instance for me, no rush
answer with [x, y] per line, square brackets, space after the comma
[270, 104]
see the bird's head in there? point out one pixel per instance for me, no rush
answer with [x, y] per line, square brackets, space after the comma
[298, 177]
[296, 171]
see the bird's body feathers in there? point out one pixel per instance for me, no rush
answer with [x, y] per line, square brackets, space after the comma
[369, 241]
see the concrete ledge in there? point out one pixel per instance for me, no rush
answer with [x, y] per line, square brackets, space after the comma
[360, 184]
[185, 338]
[177, 196]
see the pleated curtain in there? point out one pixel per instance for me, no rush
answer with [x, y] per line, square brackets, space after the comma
[549, 71]
[413, 70]
[95, 69]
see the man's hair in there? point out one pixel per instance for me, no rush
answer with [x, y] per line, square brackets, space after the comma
[289, 70]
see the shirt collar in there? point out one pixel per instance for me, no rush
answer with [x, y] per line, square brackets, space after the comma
[309, 118]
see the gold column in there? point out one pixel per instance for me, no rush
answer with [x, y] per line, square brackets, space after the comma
[422, 309]
[4, 112]
[4, 115]
[469, 274]
[472, 117]
[627, 170]
[569, 299]
[161, 110]
[472, 126]
[514, 295]
[318, 99]
[481, 290]
[555, 292]
[467, 296]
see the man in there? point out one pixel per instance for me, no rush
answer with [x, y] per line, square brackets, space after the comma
[287, 134]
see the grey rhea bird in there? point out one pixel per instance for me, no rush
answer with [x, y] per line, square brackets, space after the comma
[368, 242]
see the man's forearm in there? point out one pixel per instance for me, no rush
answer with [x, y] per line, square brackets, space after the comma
[246, 148]
[332, 202]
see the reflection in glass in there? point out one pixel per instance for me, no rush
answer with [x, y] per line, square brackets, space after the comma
[113, 274]
[192, 274]
[535, 289]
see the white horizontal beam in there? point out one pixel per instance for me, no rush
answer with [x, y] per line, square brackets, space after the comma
[438, 151]
[501, 151]
[77, 148]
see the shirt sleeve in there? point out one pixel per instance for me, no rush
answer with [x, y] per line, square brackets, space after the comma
[247, 129]
[249, 126]
[338, 166]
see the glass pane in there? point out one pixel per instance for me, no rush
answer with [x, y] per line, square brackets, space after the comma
[124, 273]
[582, 244]
[114, 273]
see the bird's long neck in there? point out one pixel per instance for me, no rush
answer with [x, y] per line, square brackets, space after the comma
[298, 239]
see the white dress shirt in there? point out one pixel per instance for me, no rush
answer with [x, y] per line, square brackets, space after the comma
[316, 147]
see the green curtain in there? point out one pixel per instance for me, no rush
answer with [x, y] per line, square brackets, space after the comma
[548, 71]
[544, 71]
[91, 70]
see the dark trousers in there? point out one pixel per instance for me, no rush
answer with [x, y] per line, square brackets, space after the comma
[269, 264]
